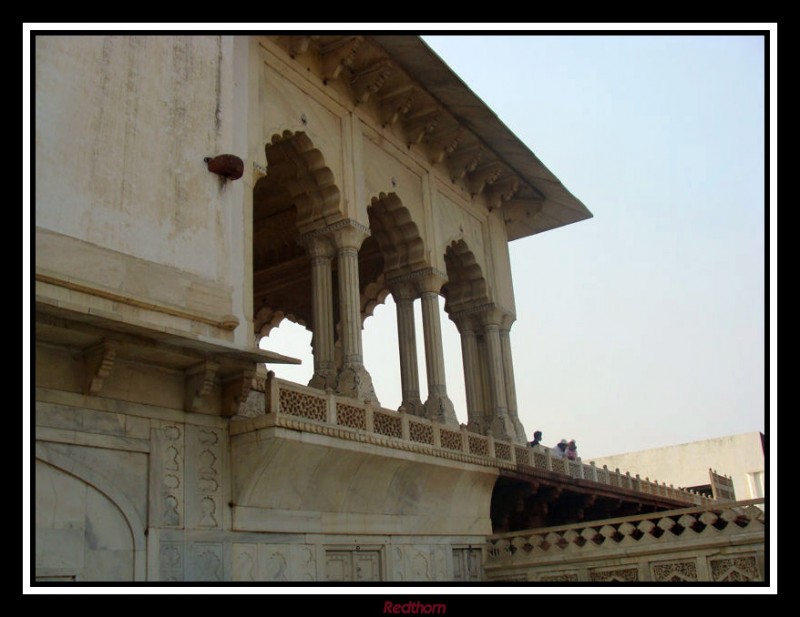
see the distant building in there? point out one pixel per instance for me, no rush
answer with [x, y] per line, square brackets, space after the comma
[687, 465]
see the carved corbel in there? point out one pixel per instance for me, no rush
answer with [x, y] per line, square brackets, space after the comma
[483, 176]
[501, 191]
[420, 123]
[464, 160]
[99, 362]
[298, 45]
[397, 104]
[235, 389]
[198, 383]
[338, 55]
[444, 145]
[369, 80]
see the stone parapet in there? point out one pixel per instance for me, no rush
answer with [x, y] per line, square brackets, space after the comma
[291, 405]
[723, 542]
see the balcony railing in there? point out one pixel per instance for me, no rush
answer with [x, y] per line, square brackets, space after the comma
[718, 541]
[299, 407]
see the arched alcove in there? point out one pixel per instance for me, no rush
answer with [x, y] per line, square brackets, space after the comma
[297, 195]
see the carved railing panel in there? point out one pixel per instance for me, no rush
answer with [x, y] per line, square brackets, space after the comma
[353, 417]
[722, 520]
[302, 404]
[389, 425]
[451, 440]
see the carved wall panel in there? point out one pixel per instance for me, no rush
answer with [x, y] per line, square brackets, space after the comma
[167, 475]
[560, 577]
[244, 562]
[609, 575]
[171, 561]
[206, 562]
[204, 474]
[735, 568]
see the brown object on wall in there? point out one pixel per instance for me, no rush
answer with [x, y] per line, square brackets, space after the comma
[228, 165]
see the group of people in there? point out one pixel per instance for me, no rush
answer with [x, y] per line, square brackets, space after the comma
[563, 449]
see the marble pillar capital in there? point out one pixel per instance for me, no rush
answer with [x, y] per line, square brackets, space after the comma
[316, 245]
[430, 280]
[508, 321]
[491, 317]
[403, 290]
[466, 323]
[348, 234]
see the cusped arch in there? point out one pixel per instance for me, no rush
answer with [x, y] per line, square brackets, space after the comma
[267, 319]
[466, 286]
[396, 242]
[297, 195]
[397, 235]
[297, 176]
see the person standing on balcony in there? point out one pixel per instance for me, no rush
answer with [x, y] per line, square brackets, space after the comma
[572, 450]
[537, 439]
[560, 450]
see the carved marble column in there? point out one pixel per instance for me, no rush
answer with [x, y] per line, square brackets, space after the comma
[508, 376]
[353, 379]
[404, 294]
[473, 382]
[438, 407]
[321, 252]
[501, 426]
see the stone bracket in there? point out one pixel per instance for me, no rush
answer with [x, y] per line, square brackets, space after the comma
[338, 55]
[99, 362]
[369, 80]
[235, 388]
[501, 191]
[198, 384]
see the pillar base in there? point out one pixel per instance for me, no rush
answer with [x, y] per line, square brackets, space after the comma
[440, 409]
[476, 426]
[414, 408]
[503, 428]
[355, 382]
[323, 380]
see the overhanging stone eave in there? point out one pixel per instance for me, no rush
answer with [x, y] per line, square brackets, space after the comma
[422, 64]
[178, 342]
[556, 216]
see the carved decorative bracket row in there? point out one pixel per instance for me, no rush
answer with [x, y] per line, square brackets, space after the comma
[370, 74]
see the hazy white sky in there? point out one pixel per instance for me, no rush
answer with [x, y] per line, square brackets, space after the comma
[645, 325]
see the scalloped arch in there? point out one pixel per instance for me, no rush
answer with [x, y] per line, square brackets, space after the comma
[466, 284]
[297, 175]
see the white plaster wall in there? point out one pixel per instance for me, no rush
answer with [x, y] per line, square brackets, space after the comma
[688, 464]
[122, 126]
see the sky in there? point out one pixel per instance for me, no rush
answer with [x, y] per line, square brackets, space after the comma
[643, 326]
